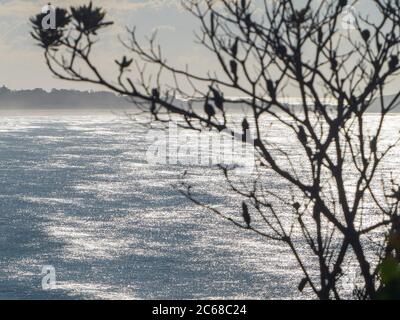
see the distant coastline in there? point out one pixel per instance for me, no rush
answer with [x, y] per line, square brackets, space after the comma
[60, 99]
[63, 99]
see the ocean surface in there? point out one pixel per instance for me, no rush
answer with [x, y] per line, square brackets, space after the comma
[77, 193]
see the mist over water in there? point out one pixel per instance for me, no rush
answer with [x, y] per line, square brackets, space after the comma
[77, 193]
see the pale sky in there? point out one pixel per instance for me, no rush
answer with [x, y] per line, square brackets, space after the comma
[22, 64]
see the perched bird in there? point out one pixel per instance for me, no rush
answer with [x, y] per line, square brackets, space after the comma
[302, 135]
[247, 20]
[124, 63]
[372, 145]
[271, 89]
[292, 18]
[245, 125]
[353, 104]
[212, 24]
[394, 61]
[296, 206]
[342, 3]
[302, 284]
[334, 62]
[218, 98]
[155, 94]
[233, 65]
[209, 109]
[245, 214]
[245, 128]
[301, 15]
[320, 35]
[366, 34]
[281, 51]
[234, 49]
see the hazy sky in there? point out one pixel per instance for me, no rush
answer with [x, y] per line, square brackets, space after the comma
[22, 64]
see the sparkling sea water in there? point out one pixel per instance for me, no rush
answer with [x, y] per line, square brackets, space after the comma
[77, 193]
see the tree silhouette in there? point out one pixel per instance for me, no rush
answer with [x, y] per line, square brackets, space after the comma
[342, 203]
